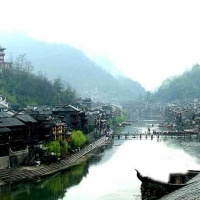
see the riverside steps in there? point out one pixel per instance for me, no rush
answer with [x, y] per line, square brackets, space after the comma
[156, 135]
[10, 176]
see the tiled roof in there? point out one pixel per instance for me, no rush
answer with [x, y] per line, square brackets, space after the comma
[2, 106]
[68, 108]
[4, 114]
[26, 118]
[10, 122]
[41, 117]
[188, 192]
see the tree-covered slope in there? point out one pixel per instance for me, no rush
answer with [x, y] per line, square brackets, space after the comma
[72, 66]
[183, 87]
[23, 87]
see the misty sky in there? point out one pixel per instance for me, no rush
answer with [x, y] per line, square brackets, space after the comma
[148, 40]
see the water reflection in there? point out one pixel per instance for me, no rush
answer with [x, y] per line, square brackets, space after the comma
[51, 188]
[111, 174]
[116, 178]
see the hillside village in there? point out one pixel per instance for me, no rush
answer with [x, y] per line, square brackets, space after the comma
[35, 126]
[22, 130]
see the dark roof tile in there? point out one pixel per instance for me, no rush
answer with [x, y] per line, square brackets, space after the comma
[4, 114]
[10, 122]
[190, 191]
[26, 118]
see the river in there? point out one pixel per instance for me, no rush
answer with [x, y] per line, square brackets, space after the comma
[110, 175]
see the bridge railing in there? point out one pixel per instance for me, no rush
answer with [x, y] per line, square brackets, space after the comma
[156, 135]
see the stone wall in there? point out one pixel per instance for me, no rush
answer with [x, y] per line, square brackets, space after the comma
[17, 157]
[4, 162]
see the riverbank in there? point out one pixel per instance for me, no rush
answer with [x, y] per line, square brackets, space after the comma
[37, 172]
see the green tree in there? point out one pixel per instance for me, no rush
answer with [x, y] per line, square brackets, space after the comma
[110, 123]
[63, 147]
[78, 139]
[120, 118]
[54, 147]
[183, 87]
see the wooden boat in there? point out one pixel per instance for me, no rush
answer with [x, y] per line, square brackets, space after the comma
[117, 144]
[165, 125]
[151, 187]
[126, 123]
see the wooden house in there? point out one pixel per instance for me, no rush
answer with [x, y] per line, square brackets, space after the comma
[31, 124]
[59, 130]
[73, 117]
[5, 134]
[86, 103]
[18, 134]
[43, 131]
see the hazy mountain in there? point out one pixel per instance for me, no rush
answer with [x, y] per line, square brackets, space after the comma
[72, 66]
[107, 65]
[185, 87]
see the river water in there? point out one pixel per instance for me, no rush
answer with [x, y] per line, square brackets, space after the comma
[110, 175]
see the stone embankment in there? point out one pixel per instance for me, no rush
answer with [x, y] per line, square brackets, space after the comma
[9, 176]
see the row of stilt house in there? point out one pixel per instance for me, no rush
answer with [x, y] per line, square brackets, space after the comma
[34, 127]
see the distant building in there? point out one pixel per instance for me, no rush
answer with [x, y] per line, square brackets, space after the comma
[86, 103]
[3, 64]
[72, 116]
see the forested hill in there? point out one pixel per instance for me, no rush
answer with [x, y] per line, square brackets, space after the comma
[72, 66]
[24, 88]
[183, 87]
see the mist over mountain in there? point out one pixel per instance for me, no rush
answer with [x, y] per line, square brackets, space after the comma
[107, 65]
[74, 67]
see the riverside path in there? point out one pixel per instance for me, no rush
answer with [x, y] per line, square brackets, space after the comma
[10, 176]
